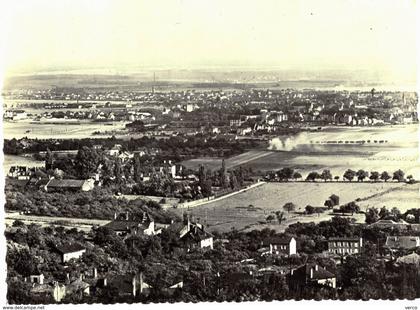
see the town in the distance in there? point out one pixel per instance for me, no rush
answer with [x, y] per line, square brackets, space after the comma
[201, 191]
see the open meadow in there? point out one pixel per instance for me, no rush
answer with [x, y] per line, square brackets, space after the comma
[249, 209]
[232, 162]
[57, 129]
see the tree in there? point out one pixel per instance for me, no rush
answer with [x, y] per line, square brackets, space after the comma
[374, 176]
[241, 176]
[384, 213]
[137, 125]
[361, 175]
[309, 209]
[385, 176]
[297, 175]
[233, 181]
[312, 176]
[290, 206]
[285, 173]
[137, 168]
[350, 207]
[337, 178]
[335, 199]
[87, 162]
[118, 171]
[49, 160]
[398, 175]
[280, 217]
[396, 214]
[349, 175]
[329, 204]
[18, 223]
[223, 176]
[201, 175]
[270, 218]
[372, 215]
[326, 175]
[207, 189]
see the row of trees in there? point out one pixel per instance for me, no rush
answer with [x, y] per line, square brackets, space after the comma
[287, 174]
[410, 216]
[361, 175]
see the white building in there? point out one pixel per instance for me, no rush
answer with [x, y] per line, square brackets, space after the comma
[70, 251]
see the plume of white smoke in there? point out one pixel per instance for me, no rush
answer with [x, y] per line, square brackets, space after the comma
[289, 143]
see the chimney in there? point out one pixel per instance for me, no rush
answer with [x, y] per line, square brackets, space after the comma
[316, 267]
[115, 215]
[95, 272]
[105, 282]
[127, 215]
[311, 273]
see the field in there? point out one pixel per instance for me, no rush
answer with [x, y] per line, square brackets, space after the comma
[401, 152]
[13, 160]
[248, 210]
[42, 130]
[216, 163]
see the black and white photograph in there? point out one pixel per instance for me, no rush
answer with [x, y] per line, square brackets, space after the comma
[194, 151]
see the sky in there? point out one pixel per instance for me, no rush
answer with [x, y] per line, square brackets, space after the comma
[373, 35]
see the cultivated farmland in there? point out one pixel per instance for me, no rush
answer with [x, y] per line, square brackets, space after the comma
[251, 208]
[232, 162]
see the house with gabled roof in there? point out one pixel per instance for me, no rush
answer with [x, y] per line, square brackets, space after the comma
[412, 258]
[280, 245]
[132, 285]
[52, 290]
[69, 185]
[69, 251]
[193, 235]
[390, 224]
[115, 150]
[125, 224]
[311, 274]
[402, 242]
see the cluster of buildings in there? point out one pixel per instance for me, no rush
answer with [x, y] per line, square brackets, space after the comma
[191, 235]
[252, 112]
[23, 176]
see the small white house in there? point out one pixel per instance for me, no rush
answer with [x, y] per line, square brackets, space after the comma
[70, 251]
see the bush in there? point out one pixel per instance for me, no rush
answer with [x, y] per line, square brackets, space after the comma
[309, 209]
[18, 223]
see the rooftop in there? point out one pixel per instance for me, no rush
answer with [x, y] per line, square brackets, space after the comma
[70, 248]
[277, 240]
[66, 183]
[406, 242]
